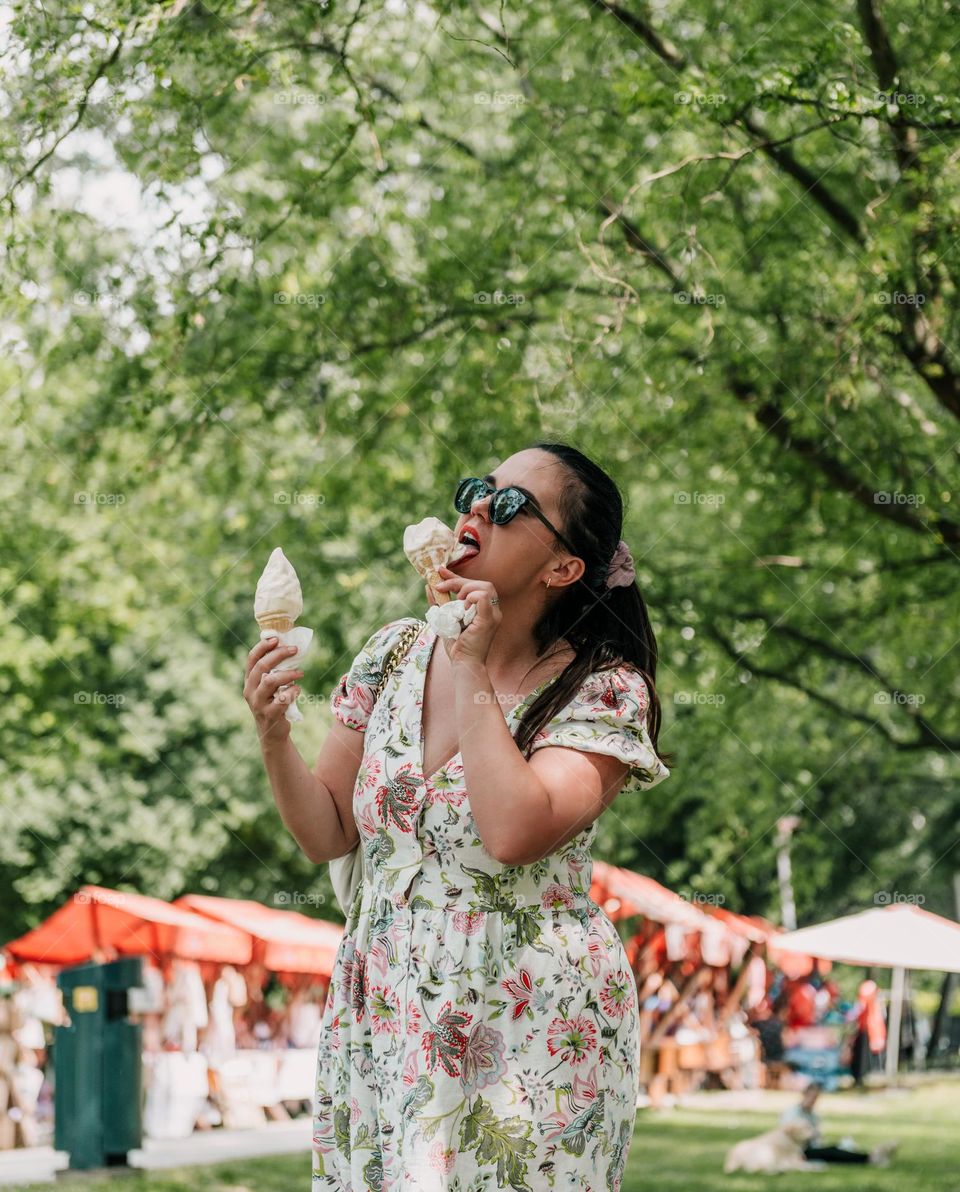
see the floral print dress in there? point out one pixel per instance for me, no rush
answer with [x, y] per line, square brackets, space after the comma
[481, 1028]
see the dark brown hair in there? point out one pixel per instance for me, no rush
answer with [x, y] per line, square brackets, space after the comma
[606, 627]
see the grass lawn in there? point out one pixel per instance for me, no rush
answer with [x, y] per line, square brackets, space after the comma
[676, 1151]
[684, 1150]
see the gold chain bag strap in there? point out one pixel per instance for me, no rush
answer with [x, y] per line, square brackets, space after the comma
[346, 872]
[397, 654]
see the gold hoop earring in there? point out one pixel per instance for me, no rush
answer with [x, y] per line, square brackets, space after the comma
[548, 583]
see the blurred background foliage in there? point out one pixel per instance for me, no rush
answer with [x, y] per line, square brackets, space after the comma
[281, 274]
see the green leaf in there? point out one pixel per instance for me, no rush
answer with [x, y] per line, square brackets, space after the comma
[504, 1141]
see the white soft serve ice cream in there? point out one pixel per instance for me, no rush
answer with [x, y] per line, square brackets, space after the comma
[429, 543]
[278, 590]
[427, 535]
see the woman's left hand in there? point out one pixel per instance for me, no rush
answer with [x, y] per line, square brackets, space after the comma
[473, 644]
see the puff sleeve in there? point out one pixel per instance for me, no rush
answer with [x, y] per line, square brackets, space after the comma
[609, 715]
[353, 696]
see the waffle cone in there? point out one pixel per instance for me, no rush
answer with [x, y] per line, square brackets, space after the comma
[278, 621]
[428, 562]
[440, 597]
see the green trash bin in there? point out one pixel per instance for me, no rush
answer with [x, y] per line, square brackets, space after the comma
[98, 1065]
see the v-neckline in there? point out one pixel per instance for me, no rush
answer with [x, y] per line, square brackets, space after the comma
[423, 699]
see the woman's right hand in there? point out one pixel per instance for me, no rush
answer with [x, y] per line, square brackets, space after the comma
[260, 687]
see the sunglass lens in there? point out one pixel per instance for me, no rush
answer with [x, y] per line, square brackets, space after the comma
[505, 505]
[469, 491]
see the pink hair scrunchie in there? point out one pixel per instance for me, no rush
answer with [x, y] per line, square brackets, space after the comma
[621, 571]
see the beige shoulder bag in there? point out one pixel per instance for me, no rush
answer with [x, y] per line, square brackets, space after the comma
[347, 871]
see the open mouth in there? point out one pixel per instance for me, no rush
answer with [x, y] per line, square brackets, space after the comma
[469, 548]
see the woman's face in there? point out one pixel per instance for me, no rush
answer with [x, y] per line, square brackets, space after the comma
[521, 555]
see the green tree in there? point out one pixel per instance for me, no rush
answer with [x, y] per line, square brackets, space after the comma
[282, 274]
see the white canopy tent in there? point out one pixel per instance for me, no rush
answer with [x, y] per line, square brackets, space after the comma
[897, 937]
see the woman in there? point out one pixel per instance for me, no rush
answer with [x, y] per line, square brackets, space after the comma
[481, 1025]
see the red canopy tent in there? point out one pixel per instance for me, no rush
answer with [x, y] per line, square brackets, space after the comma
[622, 893]
[98, 924]
[749, 929]
[284, 941]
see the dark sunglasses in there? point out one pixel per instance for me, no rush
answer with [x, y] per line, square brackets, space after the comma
[506, 503]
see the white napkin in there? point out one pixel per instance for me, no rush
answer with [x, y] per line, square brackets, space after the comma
[450, 619]
[300, 637]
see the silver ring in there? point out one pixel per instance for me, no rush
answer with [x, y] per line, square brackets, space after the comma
[494, 599]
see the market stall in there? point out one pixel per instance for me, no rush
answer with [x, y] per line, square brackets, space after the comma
[267, 1067]
[898, 937]
[691, 1024]
[231, 1002]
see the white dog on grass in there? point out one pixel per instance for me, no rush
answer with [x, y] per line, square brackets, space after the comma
[777, 1150]
[796, 1144]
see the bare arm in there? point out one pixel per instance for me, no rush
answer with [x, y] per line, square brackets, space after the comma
[525, 810]
[315, 806]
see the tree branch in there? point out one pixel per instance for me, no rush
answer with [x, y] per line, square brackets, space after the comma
[887, 72]
[672, 57]
[636, 239]
[329, 50]
[930, 359]
[665, 50]
[926, 738]
[812, 185]
[921, 345]
[771, 416]
[101, 70]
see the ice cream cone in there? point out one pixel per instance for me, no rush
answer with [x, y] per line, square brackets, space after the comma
[278, 621]
[428, 564]
[428, 545]
[277, 604]
[279, 600]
